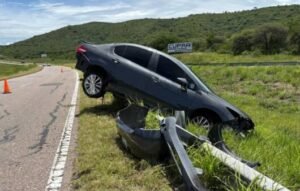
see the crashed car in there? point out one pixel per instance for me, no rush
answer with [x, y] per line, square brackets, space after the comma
[141, 72]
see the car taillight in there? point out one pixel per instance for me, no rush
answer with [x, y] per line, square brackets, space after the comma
[81, 49]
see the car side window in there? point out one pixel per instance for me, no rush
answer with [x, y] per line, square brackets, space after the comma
[135, 54]
[120, 50]
[170, 70]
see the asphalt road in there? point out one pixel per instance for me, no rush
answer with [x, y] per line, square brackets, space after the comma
[32, 119]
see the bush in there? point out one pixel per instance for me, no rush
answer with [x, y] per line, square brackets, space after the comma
[266, 39]
[224, 48]
[199, 45]
[270, 38]
[242, 42]
[294, 40]
[213, 42]
[256, 53]
[161, 41]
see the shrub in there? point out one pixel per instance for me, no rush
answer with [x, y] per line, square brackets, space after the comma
[270, 38]
[242, 42]
[161, 41]
[294, 39]
[199, 45]
[213, 42]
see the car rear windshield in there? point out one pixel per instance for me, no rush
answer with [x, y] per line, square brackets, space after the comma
[137, 55]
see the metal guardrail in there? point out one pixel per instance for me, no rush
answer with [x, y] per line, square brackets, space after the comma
[188, 172]
[171, 138]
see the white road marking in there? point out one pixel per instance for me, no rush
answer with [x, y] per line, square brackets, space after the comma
[57, 170]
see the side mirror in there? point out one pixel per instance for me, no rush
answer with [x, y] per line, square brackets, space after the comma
[184, 83]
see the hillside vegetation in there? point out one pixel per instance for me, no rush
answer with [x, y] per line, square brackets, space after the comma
[263, 31]
[11, 70]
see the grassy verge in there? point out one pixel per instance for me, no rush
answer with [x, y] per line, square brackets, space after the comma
[271, 96]
[102, 163]
[217, 58]
[11, 71]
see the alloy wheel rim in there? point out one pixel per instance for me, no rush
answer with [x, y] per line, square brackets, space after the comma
[202, 122]
[93, 84]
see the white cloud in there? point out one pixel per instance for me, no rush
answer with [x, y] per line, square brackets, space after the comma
[19, 21]
[287, 2]
[62, 9]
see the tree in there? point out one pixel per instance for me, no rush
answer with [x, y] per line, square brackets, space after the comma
[295, 42]
[161, 41]
[294, 39]
[270, 38]
[199, 44]
[242, 42]
[212, 41]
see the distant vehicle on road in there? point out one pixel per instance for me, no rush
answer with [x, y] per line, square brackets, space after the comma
[137, 71]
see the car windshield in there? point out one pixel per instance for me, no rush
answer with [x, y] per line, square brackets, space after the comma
[203, 85]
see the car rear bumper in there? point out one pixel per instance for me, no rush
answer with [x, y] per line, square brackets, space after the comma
[142, 142]
[81, 63]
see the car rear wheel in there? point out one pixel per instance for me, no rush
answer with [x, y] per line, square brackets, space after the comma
[93, 84]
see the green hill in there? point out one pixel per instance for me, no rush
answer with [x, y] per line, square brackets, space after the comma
[61, 43]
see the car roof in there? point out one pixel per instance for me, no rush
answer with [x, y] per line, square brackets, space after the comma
[139, 46]
[147, 48]
[178, 63]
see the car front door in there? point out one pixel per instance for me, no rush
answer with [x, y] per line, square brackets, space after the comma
[131, 72]
[165, 86]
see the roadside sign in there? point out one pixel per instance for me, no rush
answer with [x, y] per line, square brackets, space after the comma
[44, 55]
[180, 47]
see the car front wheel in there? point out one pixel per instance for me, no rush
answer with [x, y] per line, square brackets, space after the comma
[202, 121]
[92, 84]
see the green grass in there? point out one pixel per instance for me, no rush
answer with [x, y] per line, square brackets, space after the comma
[216, 175]
[275, 87]
[271, 96]
[9, 70]
[217, 58]
[151, 120]
[102, 162]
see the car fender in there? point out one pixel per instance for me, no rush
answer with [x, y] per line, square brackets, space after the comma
[210, 102]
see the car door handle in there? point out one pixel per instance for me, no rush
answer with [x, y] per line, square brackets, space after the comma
[155, 79]
[116, 61]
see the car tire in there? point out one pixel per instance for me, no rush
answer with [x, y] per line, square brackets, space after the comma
[203, 121]
[93, 84]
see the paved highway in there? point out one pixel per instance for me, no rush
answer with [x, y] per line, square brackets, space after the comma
[32, 119]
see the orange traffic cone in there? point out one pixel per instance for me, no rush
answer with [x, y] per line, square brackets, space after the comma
[6, 87]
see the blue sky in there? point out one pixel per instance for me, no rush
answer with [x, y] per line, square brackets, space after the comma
[20, 20]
